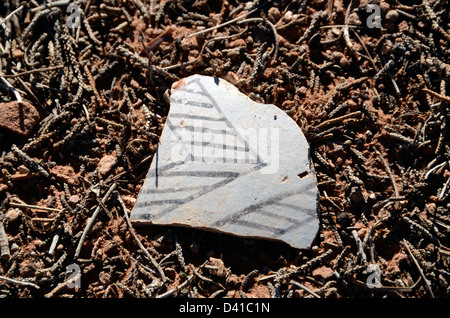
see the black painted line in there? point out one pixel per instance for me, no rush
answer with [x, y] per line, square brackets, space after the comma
[197, 195]
[254, 225]
[216, 145]
[225, 160]
[229, 124]
[189, 116]
[184, 89]
[207, 189]
[158, 202]
[209, 130]
[199, 104]
[170, 190]
[278, 216]
[200, 173]
[158, 170]
[258, 206]
[300, 223]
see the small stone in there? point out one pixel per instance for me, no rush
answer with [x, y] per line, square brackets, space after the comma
[18, 118]
[324, 273]
[104, 278]
[302, 90]
[288, 16]
[189, 43]
[228, 164]
[219, 267]
[443, 281]
[403, 26]
[344, 219]
[392, 16]
[37, 243]
[14, 248]
[387, 47]
[17, 54]
[106, 164]
[384, 6]
[274, 14]
[362, 232]
[353, 19]
[74, 121]
[238, 43]
[352, 104]
[337, 55]
[12, 214]
[344, 62]
[23, 170]
[74, 199]
[232, 77]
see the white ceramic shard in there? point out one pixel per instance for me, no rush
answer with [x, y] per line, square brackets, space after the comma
[228, 164]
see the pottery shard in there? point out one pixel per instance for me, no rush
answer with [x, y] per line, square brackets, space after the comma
[18, 118]
[225, 163]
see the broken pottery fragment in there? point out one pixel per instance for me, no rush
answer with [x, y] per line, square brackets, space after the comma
[225, 163]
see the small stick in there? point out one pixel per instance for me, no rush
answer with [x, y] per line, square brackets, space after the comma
[369, 233]
[18, 282]
[420, 228]
[155, 264]
[337, 120]
[37, 207]
[345, 31]
[153, 44]
[15, 92]
[39, 70]
[389, 171]
[444, 189]
[179, 287]
[360, 247]
[54, 243]
[50, 5]
[303, 267]
[330, 8]
[4, 246]
[30, 162]
[225, 23]
[366, 50]
[387, 288]
[427, 284]
[206, 279]
[247, 278]
[274, 30]
[304, 288]
[9, 16]
[92, 219]
[436, 95]
[61, 286]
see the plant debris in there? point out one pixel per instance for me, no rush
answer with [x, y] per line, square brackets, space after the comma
[372, 102]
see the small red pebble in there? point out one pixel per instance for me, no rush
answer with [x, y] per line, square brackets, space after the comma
[18, 118]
